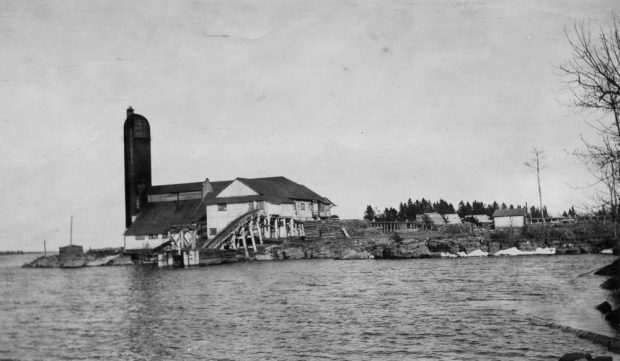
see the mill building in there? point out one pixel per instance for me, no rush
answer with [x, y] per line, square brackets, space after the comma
[207, 209]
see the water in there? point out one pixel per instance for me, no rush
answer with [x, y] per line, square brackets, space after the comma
[436, 309]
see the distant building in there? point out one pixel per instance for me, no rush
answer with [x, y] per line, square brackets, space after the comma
[206, 208]
[479, 220]
[452, 218]
[509, 218]
[430, 220]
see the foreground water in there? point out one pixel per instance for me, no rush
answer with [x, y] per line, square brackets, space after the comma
[452, 309]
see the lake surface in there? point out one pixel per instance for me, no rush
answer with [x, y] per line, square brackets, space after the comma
[434, 309]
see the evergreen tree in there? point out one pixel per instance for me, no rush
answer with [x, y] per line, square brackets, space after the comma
[369, 215]
[571, 212]
[468, 209]
[411, 212]
[478, 208]
[402, 212]
[461, 210]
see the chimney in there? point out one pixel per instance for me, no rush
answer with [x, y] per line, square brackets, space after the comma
[206, 188]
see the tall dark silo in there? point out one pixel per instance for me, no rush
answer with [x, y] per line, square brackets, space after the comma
[137, 135]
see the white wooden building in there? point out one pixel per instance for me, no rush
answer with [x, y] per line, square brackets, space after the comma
[285, 204]
[213, 206]
[509, 218]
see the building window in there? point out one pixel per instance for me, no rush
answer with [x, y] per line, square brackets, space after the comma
[152, 236]
[212, 231]
[303, 206]
[139, 238]
[221, 207]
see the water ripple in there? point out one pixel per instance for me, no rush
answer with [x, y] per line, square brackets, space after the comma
[306, 310]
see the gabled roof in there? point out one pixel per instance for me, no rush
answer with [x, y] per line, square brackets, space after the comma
[281, 187]
[187, 187]
[157, 217]
[273, 189]
[510, 212]
[436, 218]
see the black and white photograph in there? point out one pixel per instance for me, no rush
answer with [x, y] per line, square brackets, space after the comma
[310, 180]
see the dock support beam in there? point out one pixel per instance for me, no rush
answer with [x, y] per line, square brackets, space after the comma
[252, 237]
[245, 245]
[260, 235]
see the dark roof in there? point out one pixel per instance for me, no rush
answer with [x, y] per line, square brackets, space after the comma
[136, 126]
[275, 190]
[157, 217]
[283, 189]
[176, 188]
[187, 187]
[510, 212]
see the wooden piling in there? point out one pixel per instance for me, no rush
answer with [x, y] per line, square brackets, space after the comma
[252, 237]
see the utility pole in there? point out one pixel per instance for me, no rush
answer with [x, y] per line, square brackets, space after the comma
[535, 165]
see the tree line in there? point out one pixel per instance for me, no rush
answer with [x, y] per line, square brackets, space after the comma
[407, 211]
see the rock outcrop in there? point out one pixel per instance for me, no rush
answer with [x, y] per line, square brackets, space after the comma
[612, 269]
[578, 356]
[604, 308]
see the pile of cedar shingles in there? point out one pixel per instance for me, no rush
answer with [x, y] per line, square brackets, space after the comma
[323, 230]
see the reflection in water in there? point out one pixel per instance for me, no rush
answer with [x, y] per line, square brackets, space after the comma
[301, 310]
[143, 312]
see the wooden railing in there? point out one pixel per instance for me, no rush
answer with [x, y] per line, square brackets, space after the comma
[392, 226]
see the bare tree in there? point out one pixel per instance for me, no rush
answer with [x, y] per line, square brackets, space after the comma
[593, 72]
[536, 164]
[593, 79]
[602, 161]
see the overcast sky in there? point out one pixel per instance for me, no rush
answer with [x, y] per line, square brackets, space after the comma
[364, 102]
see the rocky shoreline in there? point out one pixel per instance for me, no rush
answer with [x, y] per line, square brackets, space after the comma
[356, 239]
[85, 260]
[367, 242]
